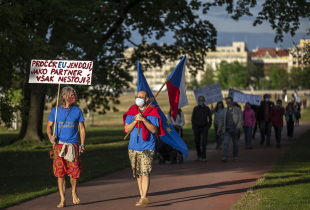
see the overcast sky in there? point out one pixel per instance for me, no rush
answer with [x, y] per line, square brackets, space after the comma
[243, 30]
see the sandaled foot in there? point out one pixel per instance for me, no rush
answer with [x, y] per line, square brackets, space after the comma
[61, 205]
[76, 199]
[144, 202]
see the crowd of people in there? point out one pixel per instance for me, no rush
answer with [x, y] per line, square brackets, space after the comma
[230, 120]
[227, 120]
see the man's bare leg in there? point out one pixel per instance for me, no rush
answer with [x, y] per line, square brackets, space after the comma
[75, 197]
[139, 180]
[145, 188]
[145, 185]
[62, 190]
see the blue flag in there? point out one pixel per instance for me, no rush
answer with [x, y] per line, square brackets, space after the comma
[171, 137]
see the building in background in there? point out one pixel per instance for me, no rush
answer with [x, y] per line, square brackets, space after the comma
[268, 58]
[300, 55]
[156, 76]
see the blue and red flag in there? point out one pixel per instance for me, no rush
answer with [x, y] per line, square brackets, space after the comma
[171, 137]
[176, 88]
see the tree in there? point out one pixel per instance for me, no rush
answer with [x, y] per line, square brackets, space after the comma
[255, 74]
[232, 75]
[282, 15]
[98, 30]
[300, 77]
[93, 30]
[278, 77]
[207, 78]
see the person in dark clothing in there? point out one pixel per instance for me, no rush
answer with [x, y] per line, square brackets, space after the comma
[264, 119]
[201, 123]
[277, 113]
[255, 109]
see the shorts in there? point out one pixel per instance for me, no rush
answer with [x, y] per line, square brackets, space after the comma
[141, 162]
[62, 167]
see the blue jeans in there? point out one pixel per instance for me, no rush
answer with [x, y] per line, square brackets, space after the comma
[217, 137]
[248, 135]
[234, 136]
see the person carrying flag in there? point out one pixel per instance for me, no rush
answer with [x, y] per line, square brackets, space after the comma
[141, 146]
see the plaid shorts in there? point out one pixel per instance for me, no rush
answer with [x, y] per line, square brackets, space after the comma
[62, 167]
[141, 162]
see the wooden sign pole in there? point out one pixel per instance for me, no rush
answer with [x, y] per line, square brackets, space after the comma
[56, 111]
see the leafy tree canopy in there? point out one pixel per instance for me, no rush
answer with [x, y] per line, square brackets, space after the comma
[278, 77]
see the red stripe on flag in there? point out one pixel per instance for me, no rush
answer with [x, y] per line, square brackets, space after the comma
[174, 94]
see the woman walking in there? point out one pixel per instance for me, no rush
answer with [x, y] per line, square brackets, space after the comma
[217, 118]
[248, 124]
[290, 117]
[276, 115]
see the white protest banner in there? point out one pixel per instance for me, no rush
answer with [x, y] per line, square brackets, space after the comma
[232, 91]
[61, 72]
[211, 93]
[244, 98]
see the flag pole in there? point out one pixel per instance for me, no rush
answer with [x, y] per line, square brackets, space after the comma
[134, 125]
[56, 110]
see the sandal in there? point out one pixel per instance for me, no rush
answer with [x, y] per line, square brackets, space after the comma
[144, 202]
[139, 202]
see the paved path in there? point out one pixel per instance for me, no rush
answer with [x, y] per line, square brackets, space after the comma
[190, 186]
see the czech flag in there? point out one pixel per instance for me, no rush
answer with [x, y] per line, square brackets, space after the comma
[171, 137]
[176, 88]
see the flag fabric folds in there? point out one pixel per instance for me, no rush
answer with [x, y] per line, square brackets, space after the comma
[176, 88]
[171, 137]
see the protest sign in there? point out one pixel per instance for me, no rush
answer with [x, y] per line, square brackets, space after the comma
[232, 91]
[211, 93]
[61, 72]
[244, 98]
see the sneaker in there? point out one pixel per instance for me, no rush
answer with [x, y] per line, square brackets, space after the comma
[197, 159]
[235, 159]
[224, 159]
[204, 160]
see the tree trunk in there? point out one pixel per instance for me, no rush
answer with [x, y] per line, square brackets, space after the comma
[33, 116]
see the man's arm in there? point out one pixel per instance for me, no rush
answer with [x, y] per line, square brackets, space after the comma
[151, 127]
[49, 131]
[128, 127]
[210, 119]
[82, 132]
[193, 118]
[241, 119]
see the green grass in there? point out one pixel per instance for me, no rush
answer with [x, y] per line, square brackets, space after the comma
[286, 185]
[26, 170]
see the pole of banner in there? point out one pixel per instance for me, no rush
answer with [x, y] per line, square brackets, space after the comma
[134, 125]
[56, 111]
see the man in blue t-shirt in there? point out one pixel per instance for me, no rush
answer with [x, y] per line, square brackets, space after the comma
[141, 147]
[67, 159]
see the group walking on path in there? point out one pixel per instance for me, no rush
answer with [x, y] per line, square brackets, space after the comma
[191, 185]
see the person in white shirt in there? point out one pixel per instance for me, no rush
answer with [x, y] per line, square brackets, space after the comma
[178, 123]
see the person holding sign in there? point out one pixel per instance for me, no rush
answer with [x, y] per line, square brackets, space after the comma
[249, 121]
[67, 159]
[201, 123]
[141, 147]
[230, 124]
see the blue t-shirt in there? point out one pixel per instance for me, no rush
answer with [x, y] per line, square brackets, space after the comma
[69, 132]
[136, 142]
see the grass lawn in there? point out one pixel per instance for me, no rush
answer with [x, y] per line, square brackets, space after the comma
[286, 185]
[26, 170]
